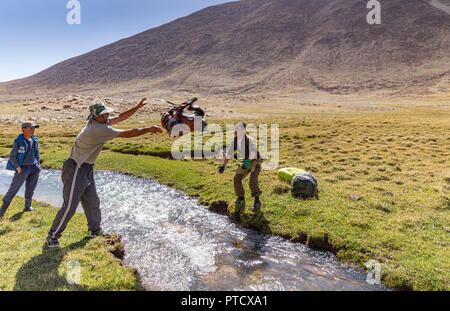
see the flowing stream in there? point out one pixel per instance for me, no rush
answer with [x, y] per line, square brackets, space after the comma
[177, 244]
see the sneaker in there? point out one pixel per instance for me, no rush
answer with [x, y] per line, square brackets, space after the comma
[256, 205]
[52, 242]
[29, 209]
[97, 233]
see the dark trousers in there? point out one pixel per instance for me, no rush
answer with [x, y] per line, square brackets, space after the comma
[30, 176]
[78, 185]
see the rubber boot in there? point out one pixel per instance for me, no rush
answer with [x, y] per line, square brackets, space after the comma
[256, 205]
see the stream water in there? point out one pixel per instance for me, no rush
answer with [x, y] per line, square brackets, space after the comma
[177, 244]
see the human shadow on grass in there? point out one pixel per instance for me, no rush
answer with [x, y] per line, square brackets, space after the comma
[254, 220]
[17, 216]
[41, 272]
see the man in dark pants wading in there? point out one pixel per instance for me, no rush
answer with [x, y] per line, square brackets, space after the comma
[78, 170]
[24, 160]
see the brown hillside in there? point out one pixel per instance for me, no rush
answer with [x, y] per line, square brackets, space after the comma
[253, 46]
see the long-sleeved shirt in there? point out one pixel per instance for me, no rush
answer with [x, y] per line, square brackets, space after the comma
[13, 154]
[30, 156]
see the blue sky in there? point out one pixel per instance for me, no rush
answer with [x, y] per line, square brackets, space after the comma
[34, 34]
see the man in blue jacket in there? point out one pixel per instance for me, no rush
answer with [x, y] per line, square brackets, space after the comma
[24, 160]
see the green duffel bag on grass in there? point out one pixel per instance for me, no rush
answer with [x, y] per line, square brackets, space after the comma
[288, 173]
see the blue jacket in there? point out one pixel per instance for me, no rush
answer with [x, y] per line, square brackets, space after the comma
[21, 151]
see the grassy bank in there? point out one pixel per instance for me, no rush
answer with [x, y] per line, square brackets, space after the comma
[384, 181]
[26, 264]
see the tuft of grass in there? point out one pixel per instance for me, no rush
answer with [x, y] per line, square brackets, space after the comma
[281, 189]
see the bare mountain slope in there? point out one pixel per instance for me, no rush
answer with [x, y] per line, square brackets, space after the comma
[260, 45]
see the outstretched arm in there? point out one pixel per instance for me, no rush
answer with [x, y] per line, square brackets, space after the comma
[125, 115]
[138, 132]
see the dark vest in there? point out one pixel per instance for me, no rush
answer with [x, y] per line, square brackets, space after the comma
[247, 148]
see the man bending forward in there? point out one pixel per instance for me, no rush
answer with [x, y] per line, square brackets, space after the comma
[78, 170]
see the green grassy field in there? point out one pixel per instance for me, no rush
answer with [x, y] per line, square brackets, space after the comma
[384, 182]
[29, 265]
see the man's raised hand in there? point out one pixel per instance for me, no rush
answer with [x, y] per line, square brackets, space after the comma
[142, 103]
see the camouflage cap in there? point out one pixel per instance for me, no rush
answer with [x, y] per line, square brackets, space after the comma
[98, 109]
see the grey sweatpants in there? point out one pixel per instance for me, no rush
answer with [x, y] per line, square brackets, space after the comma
[79, 185]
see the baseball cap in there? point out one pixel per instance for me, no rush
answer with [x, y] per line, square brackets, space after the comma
[29, 124]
